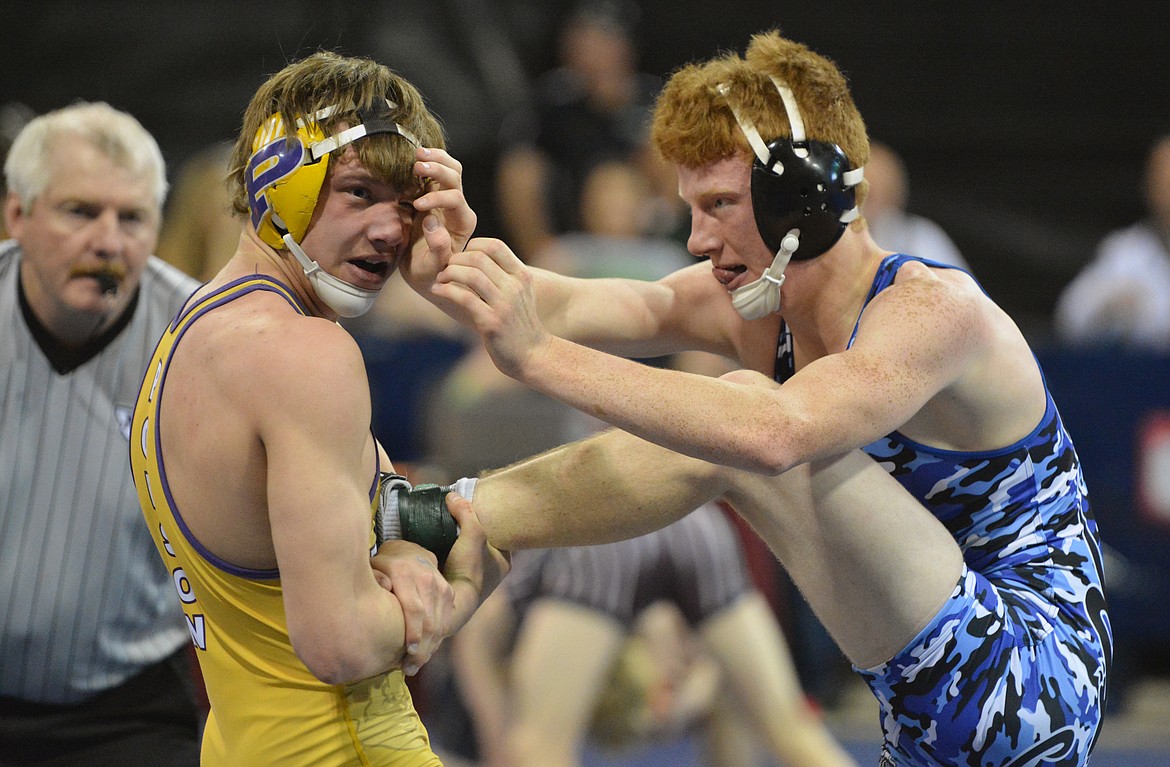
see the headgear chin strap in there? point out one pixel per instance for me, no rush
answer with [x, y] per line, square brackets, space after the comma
[802, 199]
[340, 296]
[284, 179]
[761, 297]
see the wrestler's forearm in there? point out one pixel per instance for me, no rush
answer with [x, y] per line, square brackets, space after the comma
[608, 487]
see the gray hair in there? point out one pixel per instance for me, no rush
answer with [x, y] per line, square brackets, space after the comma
[114, 133]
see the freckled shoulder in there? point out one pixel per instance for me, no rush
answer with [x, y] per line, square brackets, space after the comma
[945, 305]
[935, 287]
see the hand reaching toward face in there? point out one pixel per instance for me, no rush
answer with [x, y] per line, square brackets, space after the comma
[493, 292]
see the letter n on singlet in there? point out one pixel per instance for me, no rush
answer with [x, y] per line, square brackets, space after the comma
[198, 628]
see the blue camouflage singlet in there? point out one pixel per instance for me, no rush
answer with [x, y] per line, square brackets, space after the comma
[1011, 671]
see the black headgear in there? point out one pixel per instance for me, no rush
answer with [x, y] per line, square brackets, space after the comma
[798, 183]
[802, 187]
[802, 199]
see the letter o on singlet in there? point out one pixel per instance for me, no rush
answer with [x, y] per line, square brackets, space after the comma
[183, 586]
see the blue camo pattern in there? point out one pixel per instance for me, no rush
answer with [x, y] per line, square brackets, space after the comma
[1012, 671]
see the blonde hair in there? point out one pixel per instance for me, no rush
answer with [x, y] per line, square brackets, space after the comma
[327, 79]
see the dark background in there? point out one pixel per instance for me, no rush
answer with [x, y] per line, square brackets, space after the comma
[1024, 129]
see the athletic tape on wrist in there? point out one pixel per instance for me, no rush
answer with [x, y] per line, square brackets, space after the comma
[465, 486]
[387, 526]
[419, 513]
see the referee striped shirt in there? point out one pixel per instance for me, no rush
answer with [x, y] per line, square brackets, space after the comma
[85, 602]
[696, 562]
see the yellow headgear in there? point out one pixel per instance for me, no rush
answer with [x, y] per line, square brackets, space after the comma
[283, 180]
[285, 174]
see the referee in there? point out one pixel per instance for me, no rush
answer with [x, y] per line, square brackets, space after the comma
[93, 664]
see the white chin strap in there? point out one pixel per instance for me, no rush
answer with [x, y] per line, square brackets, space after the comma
[345, 299]
[761, 296]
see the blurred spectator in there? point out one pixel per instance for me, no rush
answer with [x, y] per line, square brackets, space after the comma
[616, 235]
[200, 232]
[618, 238]
[891, 225]
[1123, 295]
[594, 106]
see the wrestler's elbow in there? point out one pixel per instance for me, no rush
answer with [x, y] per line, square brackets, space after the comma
[767, 444]
[328, 662]
[766, 463]
[337, 657]
[760, 453]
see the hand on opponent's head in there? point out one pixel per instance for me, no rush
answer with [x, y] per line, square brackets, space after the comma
[447, 220]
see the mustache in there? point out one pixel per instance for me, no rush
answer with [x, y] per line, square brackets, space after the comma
[108, 276]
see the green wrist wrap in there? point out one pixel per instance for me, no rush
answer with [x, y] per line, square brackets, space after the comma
[422, 517]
